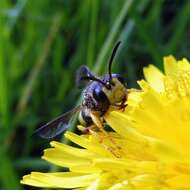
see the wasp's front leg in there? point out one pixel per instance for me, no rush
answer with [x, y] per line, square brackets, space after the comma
[122, 105]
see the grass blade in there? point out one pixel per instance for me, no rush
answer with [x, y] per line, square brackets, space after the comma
[181, 23]
[92, 33]
[7, 172]
[145, 35]
[39, 64]
[112, 35]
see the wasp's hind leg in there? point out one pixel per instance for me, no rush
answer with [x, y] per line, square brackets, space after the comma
[87, 130]
[114, 149]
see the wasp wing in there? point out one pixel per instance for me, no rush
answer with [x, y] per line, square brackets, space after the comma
[82, 73]
[56, 126]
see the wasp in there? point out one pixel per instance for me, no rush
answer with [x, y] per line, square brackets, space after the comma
[98, 95]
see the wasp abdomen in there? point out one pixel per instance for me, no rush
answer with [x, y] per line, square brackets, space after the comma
[84, 117]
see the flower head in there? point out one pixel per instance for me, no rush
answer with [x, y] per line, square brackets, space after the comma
[150, 147]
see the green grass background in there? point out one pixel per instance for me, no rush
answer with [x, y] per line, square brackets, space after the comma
[42, 43]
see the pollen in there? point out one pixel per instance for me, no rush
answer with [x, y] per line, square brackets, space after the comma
[178, 84]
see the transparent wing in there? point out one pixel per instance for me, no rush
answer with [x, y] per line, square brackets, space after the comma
[56, 126]
[82, 72]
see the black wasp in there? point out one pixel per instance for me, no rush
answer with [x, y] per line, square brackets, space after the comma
[99, 94]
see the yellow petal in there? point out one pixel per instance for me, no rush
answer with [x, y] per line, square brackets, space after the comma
[170, 65]
[180, 181]
[59, 180]
[83, 153]
[124, 185]
[88, 168]
[123, 127]
[154, 77]
[184, 65]
[94, 185]
[64, 159]
[86, 143]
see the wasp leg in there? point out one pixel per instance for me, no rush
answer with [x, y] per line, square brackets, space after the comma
[97, 121]
[122, 105]
[87, 130]
[90, 130]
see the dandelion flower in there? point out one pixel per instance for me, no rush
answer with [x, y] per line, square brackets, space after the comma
[152, 140]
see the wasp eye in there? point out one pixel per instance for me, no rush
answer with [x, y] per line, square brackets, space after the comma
[99, 95]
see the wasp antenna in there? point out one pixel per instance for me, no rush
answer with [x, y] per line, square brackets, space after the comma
[111, 60]
[95, 79]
